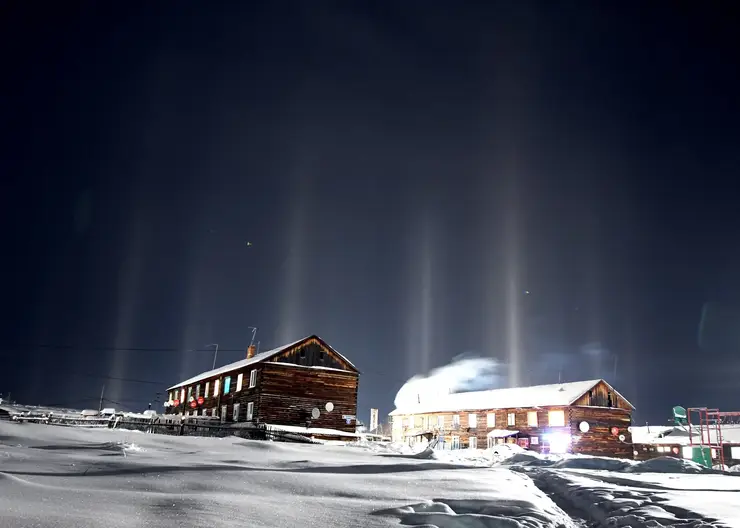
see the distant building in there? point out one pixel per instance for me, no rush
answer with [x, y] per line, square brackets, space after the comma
[588, 417]
[306, 384]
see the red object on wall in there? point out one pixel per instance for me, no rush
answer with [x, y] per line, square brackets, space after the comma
[176, 403]
[200, 400]
[675, 450]
[193, 404]
[615, 431]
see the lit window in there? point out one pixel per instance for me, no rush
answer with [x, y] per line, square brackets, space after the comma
[440, 421]
[473, 442]
[455, 442]
[223, 413]
[491, 420]
[215, 388]
[687, 452]
[534, 440]
[190, 393]
[239, 381]
[532, 418]
[473, 420]
[197, 392]
[182, 395]
[511, 419]
[250, 411]
[735, 452]
[253, 379]
[456, 421]
[214, 412]
[556, 418]
[208, 386]
[237, 406]
[227, 384]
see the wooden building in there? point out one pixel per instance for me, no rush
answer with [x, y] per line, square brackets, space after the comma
[588, 417]
[287, 386]
[675, 441]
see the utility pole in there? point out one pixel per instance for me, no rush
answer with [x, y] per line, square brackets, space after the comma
[102, 392]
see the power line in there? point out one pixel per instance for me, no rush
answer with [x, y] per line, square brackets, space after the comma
[29, 346]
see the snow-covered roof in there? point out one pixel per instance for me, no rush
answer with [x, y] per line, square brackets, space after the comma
[674, 435]
[558, 394]
[257, 358]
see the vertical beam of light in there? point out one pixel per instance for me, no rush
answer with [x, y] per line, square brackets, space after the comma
[513, 284]
[292, 298]
[420, 321]
[129, 279]
[192, 362]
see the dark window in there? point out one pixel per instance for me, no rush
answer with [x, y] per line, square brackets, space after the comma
[609, 399]
[321, 356]
[590, 397]
[303, 352]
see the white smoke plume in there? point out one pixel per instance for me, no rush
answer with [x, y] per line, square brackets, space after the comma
[463, 374]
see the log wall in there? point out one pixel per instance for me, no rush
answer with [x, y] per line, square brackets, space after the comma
[599, 440]
[287, 394]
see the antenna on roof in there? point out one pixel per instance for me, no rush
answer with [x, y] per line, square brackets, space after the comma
[258, 346]
[254, 334]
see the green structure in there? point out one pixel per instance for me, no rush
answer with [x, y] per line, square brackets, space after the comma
[680, 416]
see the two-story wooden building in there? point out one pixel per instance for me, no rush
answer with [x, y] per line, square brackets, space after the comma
[306, 383]
[588, 417]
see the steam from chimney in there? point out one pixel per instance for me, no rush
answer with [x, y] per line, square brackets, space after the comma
[251, 351]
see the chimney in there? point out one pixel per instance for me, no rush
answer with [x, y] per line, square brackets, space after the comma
[250, 351]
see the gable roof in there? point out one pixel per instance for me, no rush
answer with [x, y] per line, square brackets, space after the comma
[258, 358]
[558, 394]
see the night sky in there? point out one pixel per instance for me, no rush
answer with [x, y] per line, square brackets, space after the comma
[417, 180]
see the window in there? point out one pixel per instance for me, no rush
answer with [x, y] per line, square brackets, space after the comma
[491, 442]
[412, 421]
[214, 412]
[223, 413]
[532, 418]
[456, 421]
[534, 440]
[250, 411]
[239, 382]
[687, 452]
[215, 388]
[208, 386]
[455, 442]
[556, 418]
[473, 420]
[735, 452]
[303, 353]
[253, 379]
[511, 419]
[182, 396]
[491, 420]
[321, 356]
[197, 392]
[591, 397]
[473, 442]
[227, 384]
[609, 401]
[237, 406]
[190, 393]
[440, 421]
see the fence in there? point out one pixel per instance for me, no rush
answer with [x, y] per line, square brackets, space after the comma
[174, 427]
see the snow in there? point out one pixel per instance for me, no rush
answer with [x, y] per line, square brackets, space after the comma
[559, 394]
[312, 430]
[64, 477]
[73, 477]
[257, 358]
[675, 435]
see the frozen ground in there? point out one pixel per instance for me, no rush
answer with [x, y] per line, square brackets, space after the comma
[73, 477]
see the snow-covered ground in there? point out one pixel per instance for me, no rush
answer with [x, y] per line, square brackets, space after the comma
[73, 477]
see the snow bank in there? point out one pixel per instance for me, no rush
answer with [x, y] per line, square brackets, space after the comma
[73, 478]
[668, 465]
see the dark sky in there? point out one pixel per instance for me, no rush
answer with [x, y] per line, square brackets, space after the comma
[405, 171]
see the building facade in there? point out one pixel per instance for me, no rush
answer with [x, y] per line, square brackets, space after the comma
[306, 383]
[588, 417]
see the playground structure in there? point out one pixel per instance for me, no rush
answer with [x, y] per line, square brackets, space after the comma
[708, 427]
